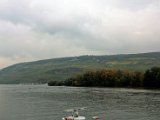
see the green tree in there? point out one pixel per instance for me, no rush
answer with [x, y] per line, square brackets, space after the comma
[152, 77]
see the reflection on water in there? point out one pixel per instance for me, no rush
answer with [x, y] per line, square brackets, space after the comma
[40, 102]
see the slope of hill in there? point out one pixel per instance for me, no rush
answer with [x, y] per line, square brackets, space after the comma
[61, 68]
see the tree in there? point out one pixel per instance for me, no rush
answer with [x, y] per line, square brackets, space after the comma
[152, 77]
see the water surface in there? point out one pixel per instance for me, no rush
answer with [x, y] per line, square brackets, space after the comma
[40, 102]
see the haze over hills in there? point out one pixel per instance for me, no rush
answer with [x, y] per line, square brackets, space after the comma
[62, 68]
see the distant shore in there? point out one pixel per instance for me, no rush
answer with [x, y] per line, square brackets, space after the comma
[150, 79]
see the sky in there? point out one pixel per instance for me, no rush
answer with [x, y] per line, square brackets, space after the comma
[40, 29]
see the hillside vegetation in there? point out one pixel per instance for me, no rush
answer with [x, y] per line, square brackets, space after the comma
[58, 69]
[114, 78]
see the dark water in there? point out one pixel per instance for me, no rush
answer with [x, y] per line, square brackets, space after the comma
[40, 102]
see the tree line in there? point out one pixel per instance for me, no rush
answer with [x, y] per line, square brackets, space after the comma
[114, 78]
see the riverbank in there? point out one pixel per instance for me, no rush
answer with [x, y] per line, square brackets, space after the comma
[114, 78]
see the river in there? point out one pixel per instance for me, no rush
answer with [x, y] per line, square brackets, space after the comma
[41, 102]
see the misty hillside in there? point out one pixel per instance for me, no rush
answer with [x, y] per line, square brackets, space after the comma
[61, 68]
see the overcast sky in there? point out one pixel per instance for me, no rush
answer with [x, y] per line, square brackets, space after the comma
[41, 29]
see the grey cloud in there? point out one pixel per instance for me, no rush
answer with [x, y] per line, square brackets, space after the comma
[135, 5]
[37, 29]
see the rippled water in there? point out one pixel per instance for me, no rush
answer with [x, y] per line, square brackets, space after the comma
[40, 102]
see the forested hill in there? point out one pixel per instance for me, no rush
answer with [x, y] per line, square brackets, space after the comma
[62, 68]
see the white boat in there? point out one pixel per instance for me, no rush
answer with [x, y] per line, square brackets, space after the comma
[74, 118]
[75, 115]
